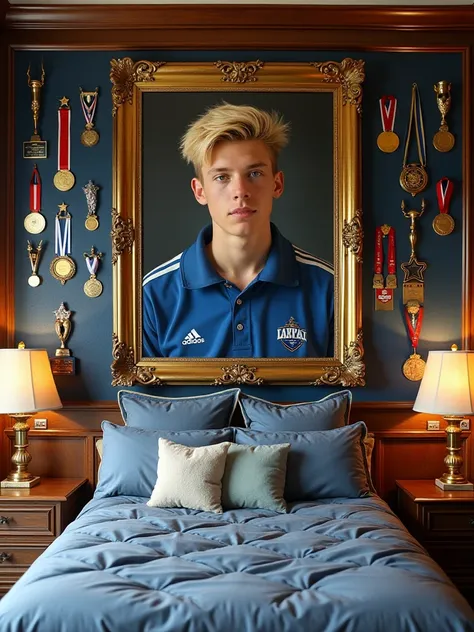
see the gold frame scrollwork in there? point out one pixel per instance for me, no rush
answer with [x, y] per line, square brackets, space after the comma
[131, 80]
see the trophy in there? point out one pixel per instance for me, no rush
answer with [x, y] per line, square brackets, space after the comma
[443, 140]
[35, 147]
[413, 283]
[90, 190]
[64, 362]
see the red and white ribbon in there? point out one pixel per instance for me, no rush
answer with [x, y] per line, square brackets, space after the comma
[388, 111]
[35, 191]
[444, 192]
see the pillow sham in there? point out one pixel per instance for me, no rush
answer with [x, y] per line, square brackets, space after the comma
[254, 477]
[323, 464]
[327, 413]
[202, 412]
[130, 456]
[189, 477]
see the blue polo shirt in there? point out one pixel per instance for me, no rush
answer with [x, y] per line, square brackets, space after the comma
[287, 311]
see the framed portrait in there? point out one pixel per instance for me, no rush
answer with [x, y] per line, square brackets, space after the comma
[155, 215]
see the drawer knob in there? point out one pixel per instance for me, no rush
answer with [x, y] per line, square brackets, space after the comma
[4, 557]
[4, 520]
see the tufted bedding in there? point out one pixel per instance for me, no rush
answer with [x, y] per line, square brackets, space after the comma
[342, 565]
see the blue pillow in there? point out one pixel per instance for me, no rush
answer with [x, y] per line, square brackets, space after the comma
[202, 412]
[323, 464]
[325, 414]
[130, 456]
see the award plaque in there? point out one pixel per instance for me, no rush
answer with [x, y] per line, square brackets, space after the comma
[62, 268]
[34, 223]
[35, 147]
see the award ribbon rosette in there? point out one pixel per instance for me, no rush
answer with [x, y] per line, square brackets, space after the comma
[34, 255]
[443, 223]
[64, 179]
[89, 136]
[413, 177]
[35, 222]
[384, 293]
[414, 367]
[93, 287]
[62, 266]
[388, 141]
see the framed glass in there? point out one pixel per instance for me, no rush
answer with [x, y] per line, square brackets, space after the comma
[155, 215]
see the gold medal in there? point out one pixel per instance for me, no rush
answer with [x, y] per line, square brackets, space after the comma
[64, 180]
[89, 137]
[443, 140]
[34, 223]
[388, 142]
[414, 367]
[93, 287]
[62, 268]
[443, 224]
[34, 280]
[91, 223]
[413, 178]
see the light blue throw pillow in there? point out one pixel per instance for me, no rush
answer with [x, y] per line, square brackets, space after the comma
[322, 464]
[130, 456]
[202, 412]
[325, 414]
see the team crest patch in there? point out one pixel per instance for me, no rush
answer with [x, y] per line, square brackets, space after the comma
[291, 335]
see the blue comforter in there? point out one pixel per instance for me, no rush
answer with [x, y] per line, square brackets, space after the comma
[341, 565]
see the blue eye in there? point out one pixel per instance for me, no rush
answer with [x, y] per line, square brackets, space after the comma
[255, 174]
[221, 177]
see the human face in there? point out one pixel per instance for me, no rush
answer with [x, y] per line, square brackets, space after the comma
[239, 186]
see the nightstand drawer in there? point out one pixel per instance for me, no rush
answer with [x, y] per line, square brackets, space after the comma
[27, 519]
[18, 555]
[442, 518]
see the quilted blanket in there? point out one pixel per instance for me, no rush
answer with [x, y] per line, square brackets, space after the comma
[339, 565]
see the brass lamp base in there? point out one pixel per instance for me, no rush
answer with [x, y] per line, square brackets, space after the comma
[19, 477]
[453, 480]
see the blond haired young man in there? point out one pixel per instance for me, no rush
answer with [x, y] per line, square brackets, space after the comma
[241, 289]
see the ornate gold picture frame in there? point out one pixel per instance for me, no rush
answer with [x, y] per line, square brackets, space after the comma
[132, 82]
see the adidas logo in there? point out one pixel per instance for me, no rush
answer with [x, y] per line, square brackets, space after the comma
[193, 338]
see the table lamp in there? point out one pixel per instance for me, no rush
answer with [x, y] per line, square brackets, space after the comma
[26, 386]
[447, 389]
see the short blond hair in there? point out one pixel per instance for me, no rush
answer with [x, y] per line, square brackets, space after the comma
[232, 122]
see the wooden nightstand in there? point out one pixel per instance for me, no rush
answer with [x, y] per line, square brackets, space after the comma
[30, 519]
[443, 522]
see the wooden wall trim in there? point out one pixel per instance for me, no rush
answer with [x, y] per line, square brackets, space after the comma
[230, 17]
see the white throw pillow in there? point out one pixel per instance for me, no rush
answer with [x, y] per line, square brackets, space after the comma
[189, 477]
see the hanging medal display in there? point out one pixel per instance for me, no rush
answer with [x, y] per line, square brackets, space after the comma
[413, 177]
[384, 291]
[443, 223]
[90, 190]
[64, 178]
[62, 266]
[89, 136]
[414, 367]
[388, 141]
[413, 283]
[35, 222]
[34, 255]
[93, 287]
[443, 140]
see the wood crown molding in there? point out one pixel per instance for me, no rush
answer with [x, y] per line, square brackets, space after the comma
[165, 17]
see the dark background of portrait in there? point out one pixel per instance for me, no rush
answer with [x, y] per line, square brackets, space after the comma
[172, 217]
[385, 337]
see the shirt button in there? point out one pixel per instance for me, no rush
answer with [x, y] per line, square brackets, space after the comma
[240, 326]
[239, 301]
[228, 285]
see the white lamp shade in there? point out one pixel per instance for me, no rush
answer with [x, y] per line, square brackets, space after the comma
[447, 387]
[26, 382]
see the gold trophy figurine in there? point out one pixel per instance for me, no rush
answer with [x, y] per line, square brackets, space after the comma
[63, 363]
[35, 147]
[443, 139]
[413, 282]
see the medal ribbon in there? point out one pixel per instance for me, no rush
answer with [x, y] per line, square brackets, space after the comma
[64, 145]
[414, 331]
[378, 256]
[391, 263]
[62, 238]
[444, 191]
[92, 264]
[388, 112]
[35, 191]
[88, 110]
[415, 113]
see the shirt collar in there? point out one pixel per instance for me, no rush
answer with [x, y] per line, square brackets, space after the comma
[280, 268]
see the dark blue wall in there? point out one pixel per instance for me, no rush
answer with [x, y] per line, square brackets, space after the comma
[386, 342]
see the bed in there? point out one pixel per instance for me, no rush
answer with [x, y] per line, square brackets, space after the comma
[301, 543]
